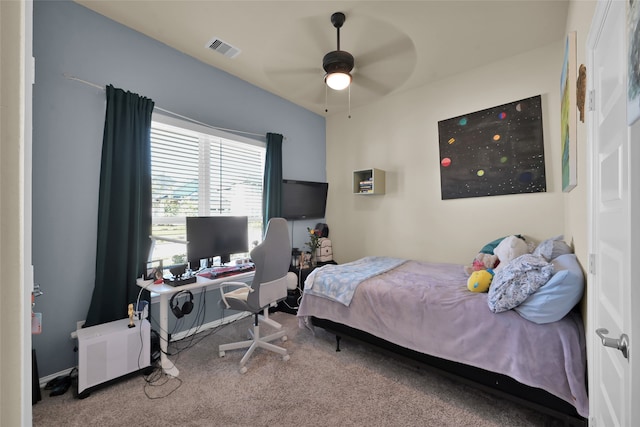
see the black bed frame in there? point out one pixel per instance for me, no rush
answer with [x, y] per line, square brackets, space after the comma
[497, 384]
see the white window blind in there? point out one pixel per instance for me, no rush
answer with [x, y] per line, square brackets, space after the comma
[197, 172]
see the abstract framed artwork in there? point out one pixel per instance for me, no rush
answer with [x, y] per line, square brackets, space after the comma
[633, 61]
[493, 152]
[568, 120]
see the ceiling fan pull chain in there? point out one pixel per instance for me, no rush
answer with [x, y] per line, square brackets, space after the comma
[326, 109]
[349, 101]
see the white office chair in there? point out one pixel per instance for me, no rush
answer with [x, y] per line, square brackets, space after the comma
[271, 258]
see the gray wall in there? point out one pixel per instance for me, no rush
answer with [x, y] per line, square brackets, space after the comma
[68, 119]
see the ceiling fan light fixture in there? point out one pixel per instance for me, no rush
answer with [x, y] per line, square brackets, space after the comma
[338, 80]
[338, 65]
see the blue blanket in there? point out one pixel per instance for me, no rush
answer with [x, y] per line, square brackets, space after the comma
[339, 282]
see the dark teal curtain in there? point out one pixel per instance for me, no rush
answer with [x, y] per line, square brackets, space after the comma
[124, 205]
[272, 183]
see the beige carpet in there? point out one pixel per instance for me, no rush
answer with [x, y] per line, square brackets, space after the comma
[359, 386]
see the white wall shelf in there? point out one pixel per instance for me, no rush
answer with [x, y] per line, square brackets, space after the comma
[369, 181]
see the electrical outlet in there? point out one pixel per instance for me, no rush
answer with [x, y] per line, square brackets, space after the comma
[80, 324]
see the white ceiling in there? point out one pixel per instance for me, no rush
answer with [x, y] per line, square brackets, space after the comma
[397, 45]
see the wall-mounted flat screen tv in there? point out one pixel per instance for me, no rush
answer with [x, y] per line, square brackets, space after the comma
[303, 199]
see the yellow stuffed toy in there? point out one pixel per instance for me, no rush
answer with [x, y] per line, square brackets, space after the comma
[480, 280]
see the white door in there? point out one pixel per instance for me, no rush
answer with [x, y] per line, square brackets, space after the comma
[614, 159]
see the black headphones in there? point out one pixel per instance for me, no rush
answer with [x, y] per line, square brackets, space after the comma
[187, 307]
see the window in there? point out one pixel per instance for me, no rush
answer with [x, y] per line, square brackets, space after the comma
[198, 171]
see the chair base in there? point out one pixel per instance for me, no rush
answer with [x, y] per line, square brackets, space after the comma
[265, 319]
[256, 341]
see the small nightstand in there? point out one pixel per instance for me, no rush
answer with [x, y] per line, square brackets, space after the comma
[304, 272]
[290, 305]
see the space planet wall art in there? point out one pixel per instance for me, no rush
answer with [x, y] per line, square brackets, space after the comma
[493, 152]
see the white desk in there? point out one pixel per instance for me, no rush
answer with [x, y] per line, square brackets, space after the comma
[165, 292]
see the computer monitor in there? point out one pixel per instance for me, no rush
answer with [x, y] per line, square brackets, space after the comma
[213, 236]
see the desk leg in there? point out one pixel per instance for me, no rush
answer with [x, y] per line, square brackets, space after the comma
[167, 365]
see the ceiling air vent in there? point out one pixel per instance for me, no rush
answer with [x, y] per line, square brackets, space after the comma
[223, 47]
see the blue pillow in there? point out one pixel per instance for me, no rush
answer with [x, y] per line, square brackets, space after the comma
[558, 296]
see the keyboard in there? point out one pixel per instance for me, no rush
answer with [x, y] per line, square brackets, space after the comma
[225, 271]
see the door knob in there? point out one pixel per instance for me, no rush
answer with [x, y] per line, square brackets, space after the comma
[621, 343]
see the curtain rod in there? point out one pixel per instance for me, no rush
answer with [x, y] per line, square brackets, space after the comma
[102, 88]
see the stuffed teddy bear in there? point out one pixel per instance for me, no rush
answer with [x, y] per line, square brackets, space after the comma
[482, 261]
[510, 248]
[480, 280]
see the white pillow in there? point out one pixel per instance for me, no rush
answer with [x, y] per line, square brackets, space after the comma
[517, 281]
[552, 248]
[559, 295]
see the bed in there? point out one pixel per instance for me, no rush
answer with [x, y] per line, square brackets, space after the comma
[426, 311]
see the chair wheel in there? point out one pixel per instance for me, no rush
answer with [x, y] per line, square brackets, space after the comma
[221, 354]
[284, 338]
[243, 370]
[285, 357]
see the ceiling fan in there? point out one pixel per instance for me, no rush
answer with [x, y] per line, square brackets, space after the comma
[338, 63]
[386, 57]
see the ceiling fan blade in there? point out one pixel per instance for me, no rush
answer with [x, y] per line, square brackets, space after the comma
[399, 49]
[382, 53]
[368, 84]
[290, 71]
[317, 28]
[318, 94]
[299, 53]
[382, 74]
[305, 41]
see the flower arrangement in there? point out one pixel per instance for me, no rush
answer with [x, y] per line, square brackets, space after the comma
[313, 242]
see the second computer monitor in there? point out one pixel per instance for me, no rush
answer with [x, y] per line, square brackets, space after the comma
[216, 236]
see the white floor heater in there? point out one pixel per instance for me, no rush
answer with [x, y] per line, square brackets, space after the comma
[111, 350]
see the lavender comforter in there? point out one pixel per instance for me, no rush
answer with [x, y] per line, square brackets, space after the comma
[427, 307]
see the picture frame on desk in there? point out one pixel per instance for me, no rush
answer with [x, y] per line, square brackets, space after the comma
[153, 269]
[305, 260]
